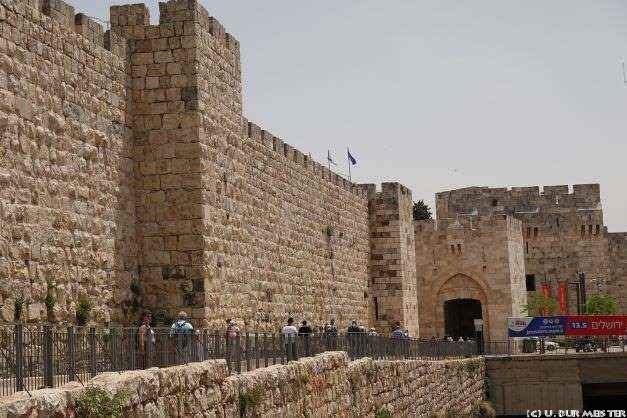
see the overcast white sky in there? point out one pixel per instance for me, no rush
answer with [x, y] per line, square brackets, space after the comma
[440, 94]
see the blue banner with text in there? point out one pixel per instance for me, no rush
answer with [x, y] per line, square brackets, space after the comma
[538, 326]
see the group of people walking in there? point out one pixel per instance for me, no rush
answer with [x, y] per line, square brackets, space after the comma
[184, 344]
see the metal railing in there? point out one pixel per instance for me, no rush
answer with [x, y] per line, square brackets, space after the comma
[40, 356]
[556, 346]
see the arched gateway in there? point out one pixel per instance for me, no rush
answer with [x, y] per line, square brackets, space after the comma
[459, 301]
[459, 317]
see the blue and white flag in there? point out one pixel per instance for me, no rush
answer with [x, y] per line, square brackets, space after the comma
[352, 159]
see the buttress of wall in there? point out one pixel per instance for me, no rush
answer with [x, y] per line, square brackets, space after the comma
[282, 236]
[168, 156]
[617, 285]
[392, 263]
[469, 258]
[66, 206]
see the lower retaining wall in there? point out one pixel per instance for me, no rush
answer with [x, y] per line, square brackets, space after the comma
[328, 385]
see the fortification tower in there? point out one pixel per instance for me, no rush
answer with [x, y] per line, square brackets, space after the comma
[392, 267]
[563, 231]
[469, 268]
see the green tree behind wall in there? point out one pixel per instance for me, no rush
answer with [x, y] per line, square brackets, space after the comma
[600, 305]
[422, 211]
[539, 305]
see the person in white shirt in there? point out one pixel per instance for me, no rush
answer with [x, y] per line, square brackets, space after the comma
[289, 332]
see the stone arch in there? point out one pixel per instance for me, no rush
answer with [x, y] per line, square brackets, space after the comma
[460, 286]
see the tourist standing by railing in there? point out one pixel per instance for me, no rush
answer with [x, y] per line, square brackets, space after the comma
[232, 338]
[289, 332]
[305, 332]
[182, 333]
[146, 340]
[330, 336]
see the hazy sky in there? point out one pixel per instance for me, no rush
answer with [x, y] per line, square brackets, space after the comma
[440, 94]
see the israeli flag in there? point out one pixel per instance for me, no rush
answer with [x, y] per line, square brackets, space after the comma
[352, 159]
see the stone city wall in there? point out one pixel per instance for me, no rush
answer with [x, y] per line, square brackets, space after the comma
[323, 386]
[66, 202]
[232, 222]
[486, 200]
[127, 164]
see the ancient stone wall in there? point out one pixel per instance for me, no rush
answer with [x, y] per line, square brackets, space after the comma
[66, 202]
[304, 239]
[392, 264]
[563, 231]
[617, 284]
[326, 385]
[232, 222]
[478, 258]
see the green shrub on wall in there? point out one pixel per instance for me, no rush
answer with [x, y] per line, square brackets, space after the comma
[383, 413]
[95, 402]
[82, 311]
[249, 400]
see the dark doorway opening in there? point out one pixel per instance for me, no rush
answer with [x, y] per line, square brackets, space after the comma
[604, 396]
[459, 316]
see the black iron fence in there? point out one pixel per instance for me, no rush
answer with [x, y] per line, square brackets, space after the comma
[556, 346]
[34, 357]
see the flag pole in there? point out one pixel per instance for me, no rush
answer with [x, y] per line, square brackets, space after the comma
[349, 165]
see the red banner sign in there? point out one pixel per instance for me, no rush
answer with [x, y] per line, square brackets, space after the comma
[596, 325]
[562, 297]
[546, 291]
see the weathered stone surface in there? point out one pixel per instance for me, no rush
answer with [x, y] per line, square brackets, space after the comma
[326, 385]
[66, 212]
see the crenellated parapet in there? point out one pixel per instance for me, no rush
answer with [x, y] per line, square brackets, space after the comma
[517, 199]
[466, 228]
[294, 155]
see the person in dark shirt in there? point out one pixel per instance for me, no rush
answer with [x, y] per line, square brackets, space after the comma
[304, 329]
[331, 329]
[330, 335]
[354, 328]
[304, 334]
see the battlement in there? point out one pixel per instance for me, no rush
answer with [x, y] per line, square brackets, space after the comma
[176, 17]
[276, 144]
[63, 15]
[516, 199]
[467, 227]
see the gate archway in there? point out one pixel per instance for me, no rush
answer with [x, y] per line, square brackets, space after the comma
[459, 316]
[459, 301]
